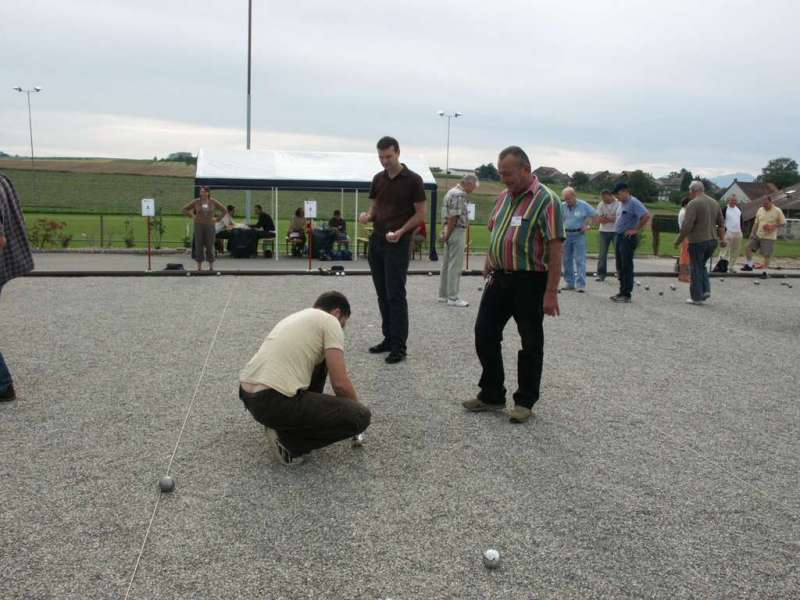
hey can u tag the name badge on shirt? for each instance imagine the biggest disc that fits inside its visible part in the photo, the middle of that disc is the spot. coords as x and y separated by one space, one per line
516 221
205 206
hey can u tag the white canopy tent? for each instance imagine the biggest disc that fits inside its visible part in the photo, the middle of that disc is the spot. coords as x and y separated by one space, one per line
305 171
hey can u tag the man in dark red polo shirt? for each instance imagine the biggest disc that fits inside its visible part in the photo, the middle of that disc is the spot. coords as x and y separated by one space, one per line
397 208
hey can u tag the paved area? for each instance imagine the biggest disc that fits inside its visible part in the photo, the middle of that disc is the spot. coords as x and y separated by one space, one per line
662 461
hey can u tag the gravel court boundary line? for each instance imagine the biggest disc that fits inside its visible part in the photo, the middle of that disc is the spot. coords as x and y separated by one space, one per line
180 434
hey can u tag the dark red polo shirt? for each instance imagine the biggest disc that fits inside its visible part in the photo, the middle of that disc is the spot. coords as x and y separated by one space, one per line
395 199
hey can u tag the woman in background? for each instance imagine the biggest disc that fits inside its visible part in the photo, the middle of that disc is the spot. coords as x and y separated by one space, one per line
203 211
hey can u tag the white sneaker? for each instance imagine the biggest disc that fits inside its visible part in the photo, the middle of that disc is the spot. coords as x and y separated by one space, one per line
442 300
458 302
696 302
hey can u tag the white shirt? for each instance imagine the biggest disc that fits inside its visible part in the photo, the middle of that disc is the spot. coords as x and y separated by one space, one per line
733 220
681 215
608 210
223 223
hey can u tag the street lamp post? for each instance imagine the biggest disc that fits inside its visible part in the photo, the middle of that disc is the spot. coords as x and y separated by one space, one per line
247 194
36 89
455 115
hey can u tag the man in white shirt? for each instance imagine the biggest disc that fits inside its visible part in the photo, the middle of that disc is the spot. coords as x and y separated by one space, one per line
282 384
733 233
606 217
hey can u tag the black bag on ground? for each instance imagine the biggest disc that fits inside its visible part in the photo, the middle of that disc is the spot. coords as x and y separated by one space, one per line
243 243
721 266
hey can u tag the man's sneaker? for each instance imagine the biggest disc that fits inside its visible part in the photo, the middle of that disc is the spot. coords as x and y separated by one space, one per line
519 414
707 295
747 267
442 300
280 452
395 356
380 348
8 395
478 405
620 299
580 290
458 302
695 302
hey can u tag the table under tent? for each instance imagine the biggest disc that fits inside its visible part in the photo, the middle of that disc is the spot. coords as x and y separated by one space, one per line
274 171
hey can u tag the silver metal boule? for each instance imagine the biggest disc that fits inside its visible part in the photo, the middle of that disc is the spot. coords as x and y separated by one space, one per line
491 559
166 484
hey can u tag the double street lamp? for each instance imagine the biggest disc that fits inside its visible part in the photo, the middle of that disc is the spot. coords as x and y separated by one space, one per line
449 116
35 90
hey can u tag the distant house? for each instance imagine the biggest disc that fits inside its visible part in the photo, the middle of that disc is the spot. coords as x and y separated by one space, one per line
604 179
670 184
551 175
747 191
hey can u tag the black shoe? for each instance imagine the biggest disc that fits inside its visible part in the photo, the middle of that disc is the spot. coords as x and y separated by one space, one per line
620 299
8 395
380 348
747 267
395 356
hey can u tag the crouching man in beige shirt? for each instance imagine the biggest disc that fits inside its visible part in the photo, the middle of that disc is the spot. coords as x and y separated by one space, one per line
282 384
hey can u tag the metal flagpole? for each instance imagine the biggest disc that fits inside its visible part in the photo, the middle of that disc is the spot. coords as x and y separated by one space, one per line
355 234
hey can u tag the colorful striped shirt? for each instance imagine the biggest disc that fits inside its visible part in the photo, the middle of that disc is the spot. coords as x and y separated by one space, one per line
521 227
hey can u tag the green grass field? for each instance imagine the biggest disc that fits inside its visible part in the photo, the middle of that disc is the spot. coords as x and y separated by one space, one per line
79 192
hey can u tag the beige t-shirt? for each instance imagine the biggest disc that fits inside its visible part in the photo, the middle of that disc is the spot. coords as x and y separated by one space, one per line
294 347
773 216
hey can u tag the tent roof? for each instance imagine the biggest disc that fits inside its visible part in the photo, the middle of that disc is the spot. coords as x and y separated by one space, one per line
258 169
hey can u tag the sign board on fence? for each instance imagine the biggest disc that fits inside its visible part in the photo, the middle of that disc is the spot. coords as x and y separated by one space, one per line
148 207
470 211
310 209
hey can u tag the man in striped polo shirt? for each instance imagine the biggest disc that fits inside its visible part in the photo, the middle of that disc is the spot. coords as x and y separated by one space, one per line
522 271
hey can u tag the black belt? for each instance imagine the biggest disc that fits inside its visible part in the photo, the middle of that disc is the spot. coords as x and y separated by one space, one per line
574 230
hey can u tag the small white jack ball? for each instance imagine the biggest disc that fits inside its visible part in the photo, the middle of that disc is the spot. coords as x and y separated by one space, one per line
430 272
188 274
166 484
491 559
219 273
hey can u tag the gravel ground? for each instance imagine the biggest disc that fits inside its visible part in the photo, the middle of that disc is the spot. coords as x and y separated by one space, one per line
662 461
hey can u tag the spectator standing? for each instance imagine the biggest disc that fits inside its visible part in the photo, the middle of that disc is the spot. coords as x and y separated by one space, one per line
577 214
733 233
456 220
606 216
203 210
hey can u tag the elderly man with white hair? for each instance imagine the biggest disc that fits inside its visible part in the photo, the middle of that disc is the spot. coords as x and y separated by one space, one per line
703 224
456 222
577 216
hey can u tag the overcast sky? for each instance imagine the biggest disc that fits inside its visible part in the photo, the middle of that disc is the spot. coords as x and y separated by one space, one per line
585 84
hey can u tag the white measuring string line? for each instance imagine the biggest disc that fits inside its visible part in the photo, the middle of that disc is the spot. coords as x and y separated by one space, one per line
177 443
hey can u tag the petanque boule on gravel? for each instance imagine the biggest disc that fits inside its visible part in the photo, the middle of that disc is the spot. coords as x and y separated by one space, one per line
672 287
756 283
491 559
166 484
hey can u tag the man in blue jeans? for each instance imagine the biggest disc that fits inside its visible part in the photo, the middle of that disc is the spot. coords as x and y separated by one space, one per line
15 260
703 224
630 220
577 216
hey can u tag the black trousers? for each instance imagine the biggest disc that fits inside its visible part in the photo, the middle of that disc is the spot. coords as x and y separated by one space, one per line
388 263
625 249
310 419
518 294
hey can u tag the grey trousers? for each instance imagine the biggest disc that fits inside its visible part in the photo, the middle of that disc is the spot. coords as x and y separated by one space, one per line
452 264
204 237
